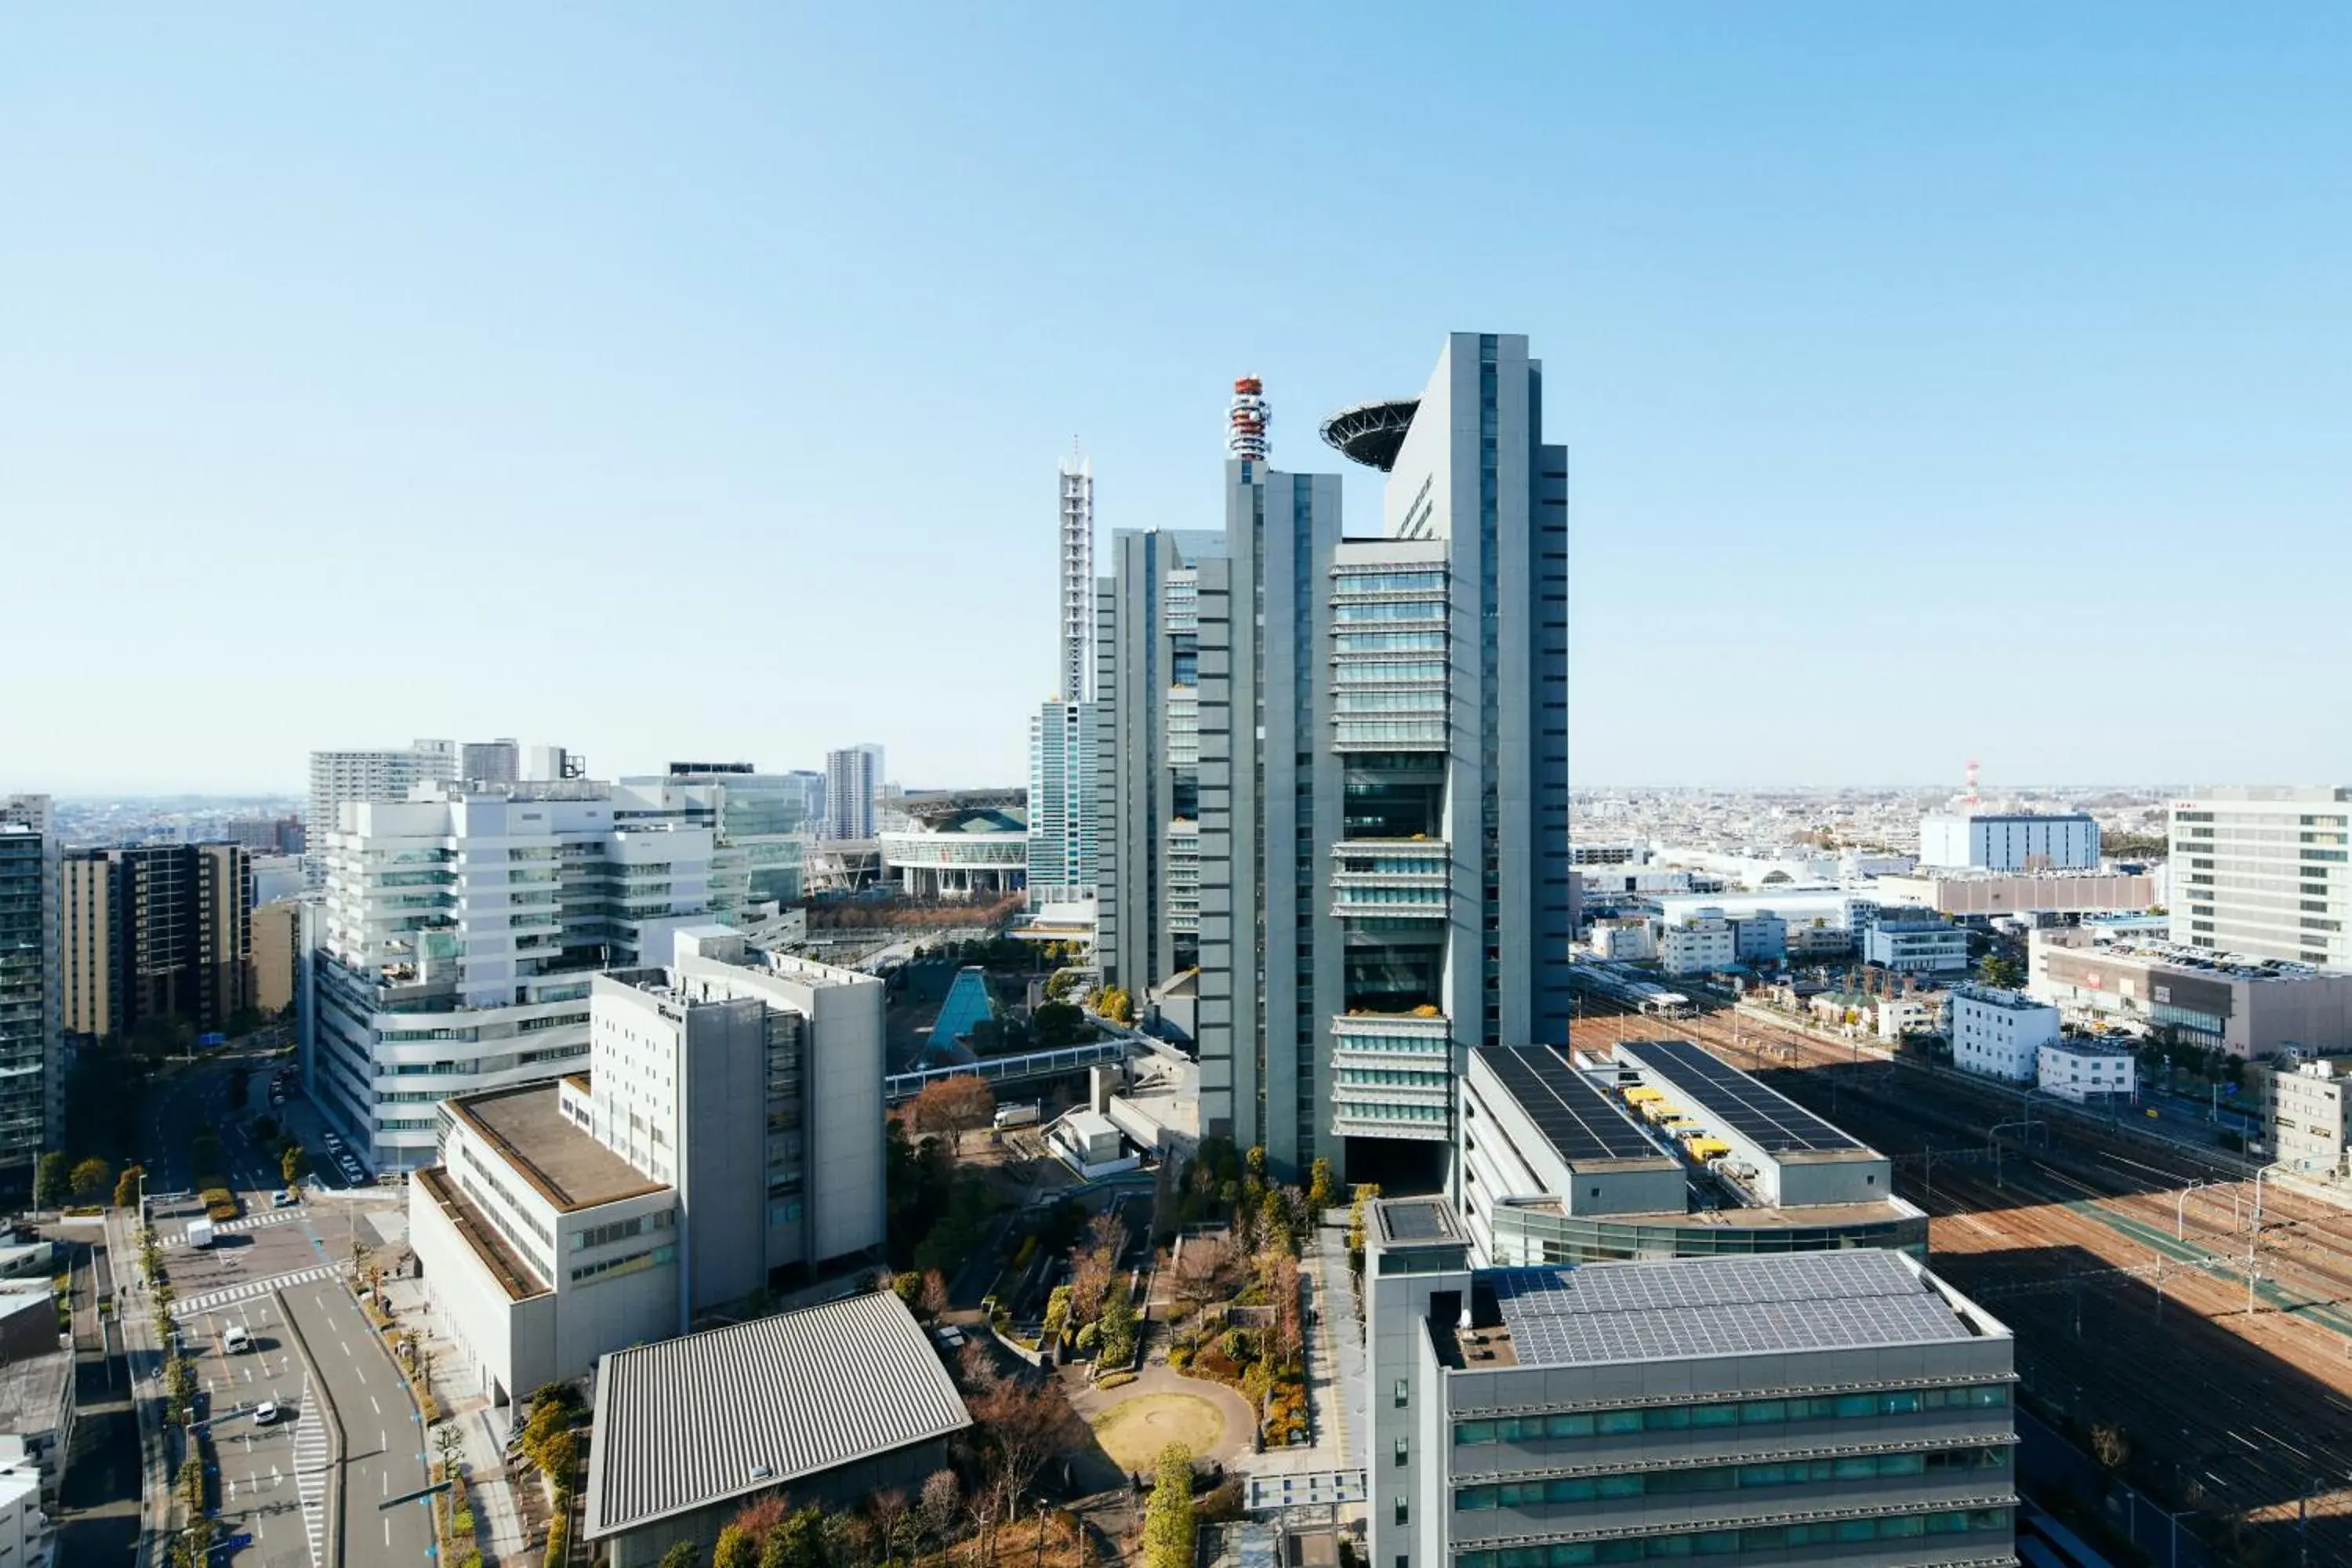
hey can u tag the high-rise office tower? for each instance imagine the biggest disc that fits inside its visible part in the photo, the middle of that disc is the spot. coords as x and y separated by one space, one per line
31 997
1384 775
1062 787
490 762
1063 817
159 931
1148 728
1075 648
853 791
457 938
2263 872
337 778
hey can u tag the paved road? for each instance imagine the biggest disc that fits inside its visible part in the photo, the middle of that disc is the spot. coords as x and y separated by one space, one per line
383 1447
270 1490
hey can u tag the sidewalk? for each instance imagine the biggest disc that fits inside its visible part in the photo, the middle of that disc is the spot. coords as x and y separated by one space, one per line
499 1532
142 1360
1329 1366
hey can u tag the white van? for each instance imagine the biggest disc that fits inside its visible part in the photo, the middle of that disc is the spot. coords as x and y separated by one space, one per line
236 1340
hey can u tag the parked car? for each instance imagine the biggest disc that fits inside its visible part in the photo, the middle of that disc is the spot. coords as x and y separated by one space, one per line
285 1200
265 1413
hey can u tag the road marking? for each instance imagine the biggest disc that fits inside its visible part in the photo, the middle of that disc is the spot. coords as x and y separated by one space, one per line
387 1529
372 1400
346 1344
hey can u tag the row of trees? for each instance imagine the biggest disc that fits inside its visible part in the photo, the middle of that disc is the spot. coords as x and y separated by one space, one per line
1170 1528
61 1178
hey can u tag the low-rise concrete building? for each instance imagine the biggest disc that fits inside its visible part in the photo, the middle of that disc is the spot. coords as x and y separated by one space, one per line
27 1540
2245 1006
727 1138
1557 1166
1826 1408
37 1385
1624 938
1915 943
2085 1070
2302 1102
828 1406
1985 893
1999 1034
1702 943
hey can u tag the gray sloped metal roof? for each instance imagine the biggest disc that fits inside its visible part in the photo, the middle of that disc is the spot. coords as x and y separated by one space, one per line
685 1423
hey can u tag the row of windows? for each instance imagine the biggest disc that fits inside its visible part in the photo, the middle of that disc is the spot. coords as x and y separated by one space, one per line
1412 699
1401 1077
1389 610
619 1230
1757 1538
1731 1413
1431 641
1728 1477
628 1265
1389 583
1368 1110
1391 670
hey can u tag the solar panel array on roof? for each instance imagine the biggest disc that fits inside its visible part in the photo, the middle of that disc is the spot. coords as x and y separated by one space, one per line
1577 1118
1427 1221
1765 1116
1719 1306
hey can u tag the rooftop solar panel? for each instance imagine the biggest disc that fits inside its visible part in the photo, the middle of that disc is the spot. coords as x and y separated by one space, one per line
1719 1306
1765 1116
1576 1119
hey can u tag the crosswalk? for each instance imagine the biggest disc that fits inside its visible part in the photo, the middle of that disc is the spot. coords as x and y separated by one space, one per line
229 1295
311 1462
250 1222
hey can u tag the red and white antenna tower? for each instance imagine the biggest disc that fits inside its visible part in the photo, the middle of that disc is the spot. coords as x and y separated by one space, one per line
1969 800
1246 420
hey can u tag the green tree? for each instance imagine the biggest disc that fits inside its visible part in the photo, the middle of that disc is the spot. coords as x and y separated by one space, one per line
1116 1005
737 1548
91 1178
1168 1524
2000 971
53 1182
294 1163
126 1186
1322 1192
682 1555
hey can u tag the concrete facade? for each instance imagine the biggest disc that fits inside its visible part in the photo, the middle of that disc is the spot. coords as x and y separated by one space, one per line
1999 1034
2247 1007
2010 841
2264 872
1501 1425
31 986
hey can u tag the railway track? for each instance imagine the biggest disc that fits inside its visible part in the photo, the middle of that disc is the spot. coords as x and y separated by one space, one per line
2120 1322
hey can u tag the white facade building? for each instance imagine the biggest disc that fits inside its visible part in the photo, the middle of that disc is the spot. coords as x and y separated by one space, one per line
853 791
1999 1034
1915 946
342 778
2264 872
762 824
727 1138
1626 939
2081 1069
456 940
2303 1105
1701 944
2001 841
26 1538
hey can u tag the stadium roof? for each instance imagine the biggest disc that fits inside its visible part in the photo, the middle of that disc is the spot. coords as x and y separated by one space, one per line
683 1424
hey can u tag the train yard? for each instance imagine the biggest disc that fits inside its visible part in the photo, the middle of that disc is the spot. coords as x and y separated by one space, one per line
2122 1267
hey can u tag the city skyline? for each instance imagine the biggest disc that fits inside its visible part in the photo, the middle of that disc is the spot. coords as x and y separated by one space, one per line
1995 374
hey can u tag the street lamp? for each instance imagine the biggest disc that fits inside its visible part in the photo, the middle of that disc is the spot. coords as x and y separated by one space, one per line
2181 1210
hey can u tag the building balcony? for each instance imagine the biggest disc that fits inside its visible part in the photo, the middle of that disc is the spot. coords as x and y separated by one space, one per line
1376 1039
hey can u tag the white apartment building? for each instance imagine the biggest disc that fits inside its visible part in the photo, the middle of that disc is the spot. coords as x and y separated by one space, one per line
2303 1105
2010 841
2077 1069
853 791
1999 1034
727 1138
762 824
2263 872
457 938
343 778
1702 943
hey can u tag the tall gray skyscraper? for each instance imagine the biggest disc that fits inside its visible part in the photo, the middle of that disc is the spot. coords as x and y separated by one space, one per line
1147 732
1062 787
1384 775
853 791
1075 647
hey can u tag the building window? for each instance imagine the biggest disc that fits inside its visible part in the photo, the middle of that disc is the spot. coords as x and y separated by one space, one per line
1405 1450
1403 1392
1403 1509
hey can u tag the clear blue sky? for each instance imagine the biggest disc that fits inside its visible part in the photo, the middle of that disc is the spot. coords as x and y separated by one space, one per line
689 381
